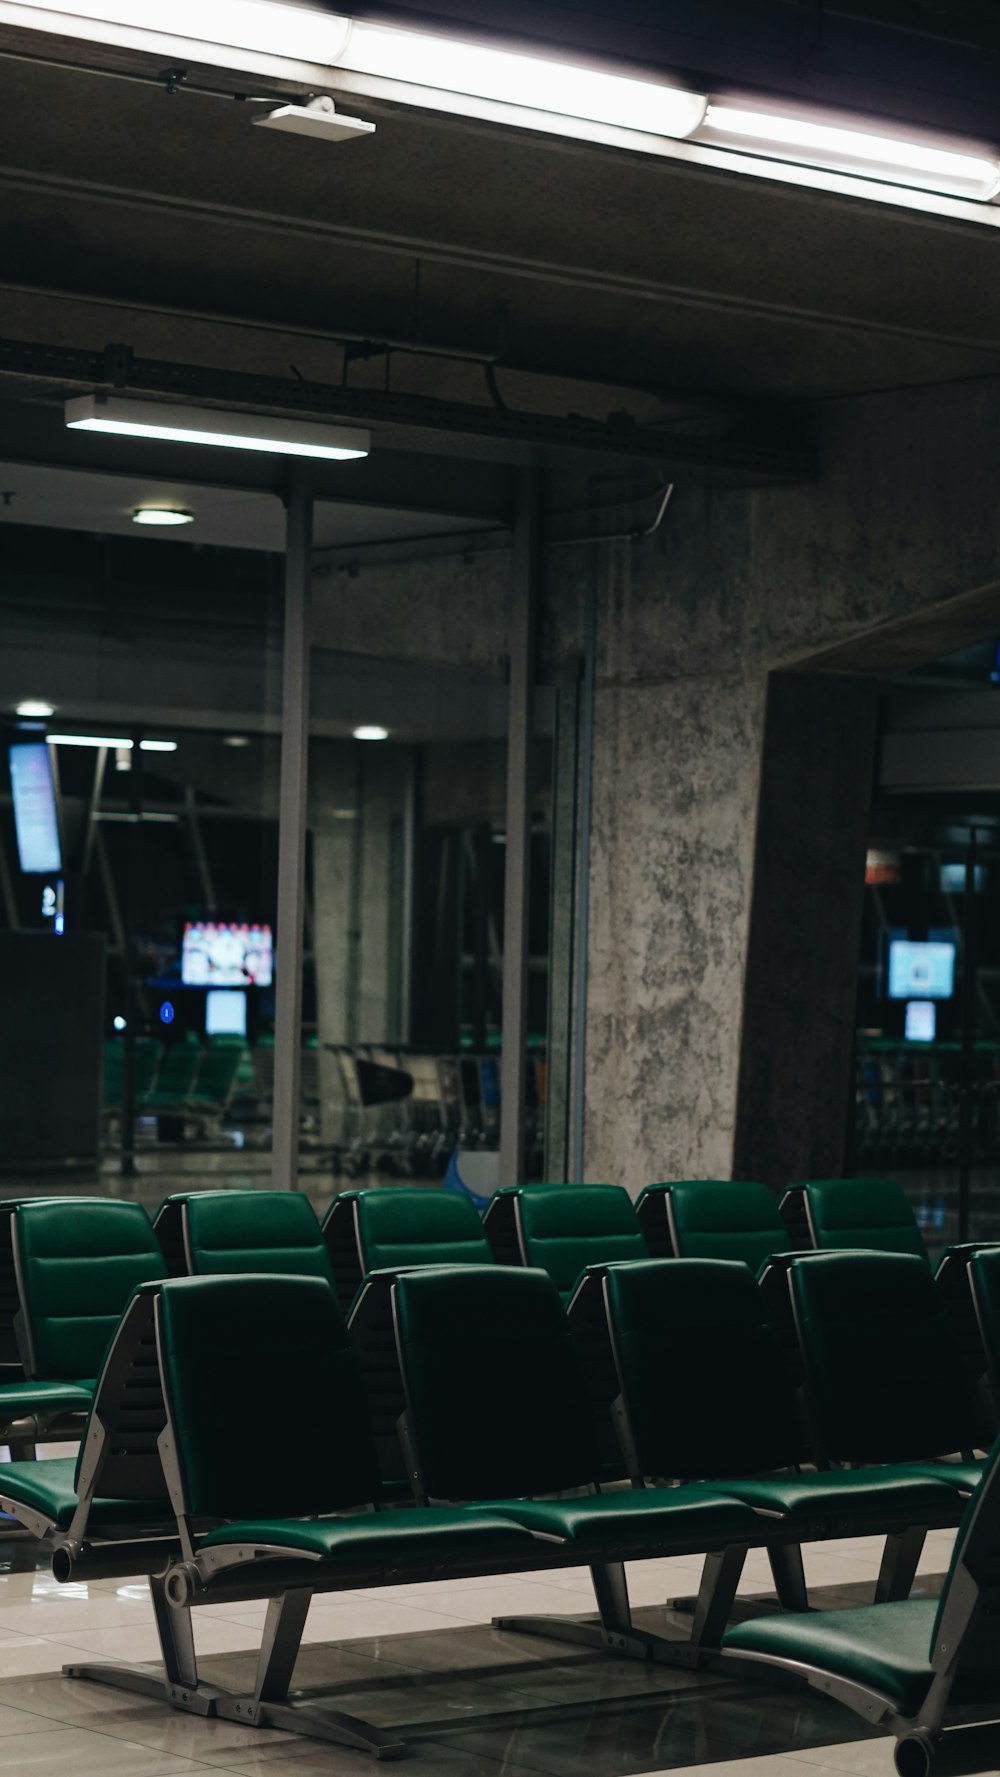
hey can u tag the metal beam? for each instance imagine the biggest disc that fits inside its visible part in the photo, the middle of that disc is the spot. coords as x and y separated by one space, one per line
292 837
587 708
525 560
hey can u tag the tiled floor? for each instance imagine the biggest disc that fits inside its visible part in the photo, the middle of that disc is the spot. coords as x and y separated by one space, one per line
478 1702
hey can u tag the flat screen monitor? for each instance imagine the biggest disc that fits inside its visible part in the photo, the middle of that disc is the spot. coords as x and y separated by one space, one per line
953 878
921 1021
36 815
226 954
225 1012
921 971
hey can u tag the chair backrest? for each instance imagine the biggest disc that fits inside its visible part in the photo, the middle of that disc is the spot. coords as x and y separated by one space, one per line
953 1281
394 1227
562 1230
237 1231
496 1397
228 1344
862 1212
704 1387
984 1286
884 1378
965 1638
718 1219
10 1301
77 1263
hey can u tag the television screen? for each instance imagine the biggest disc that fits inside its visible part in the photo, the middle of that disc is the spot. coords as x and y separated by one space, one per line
36 817
226 954
921 1021
225 1012
921 971
953 879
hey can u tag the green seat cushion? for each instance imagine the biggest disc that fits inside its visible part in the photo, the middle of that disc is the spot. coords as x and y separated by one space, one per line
963 1476
385 1540
17 1398
721 1219
883 1646
564 1230
258 1231
863 1212
649 1517
49 1488
399 1226
861 1494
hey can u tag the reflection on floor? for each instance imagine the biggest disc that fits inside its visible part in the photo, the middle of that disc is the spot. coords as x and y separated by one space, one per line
480 1702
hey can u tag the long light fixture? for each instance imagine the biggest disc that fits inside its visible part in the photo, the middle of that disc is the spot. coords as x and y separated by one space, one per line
201 425
536 82
864 152
110 740
167 516
753 136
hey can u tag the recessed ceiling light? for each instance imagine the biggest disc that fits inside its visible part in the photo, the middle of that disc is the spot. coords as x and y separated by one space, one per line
34 706
371 732
163 515
236 740
206 425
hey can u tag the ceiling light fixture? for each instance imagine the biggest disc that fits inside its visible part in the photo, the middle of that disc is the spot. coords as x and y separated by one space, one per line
161 515
371 731
199 425
110 740
861 152
264 27
560 89
236 740
34 706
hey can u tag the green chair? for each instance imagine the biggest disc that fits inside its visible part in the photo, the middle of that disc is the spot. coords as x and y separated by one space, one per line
904 1667
396 1227
105 1514
175 1077
954 1283
729 1410
223 1345
214 1232
712 1219
983 1271
74 1263
884 1379
561 1229
868 1213
497 1409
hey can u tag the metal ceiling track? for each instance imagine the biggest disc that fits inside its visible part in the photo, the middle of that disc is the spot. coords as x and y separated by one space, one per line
705 456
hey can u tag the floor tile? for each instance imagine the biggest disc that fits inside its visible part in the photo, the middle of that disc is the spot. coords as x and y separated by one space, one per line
24 1655
59 1750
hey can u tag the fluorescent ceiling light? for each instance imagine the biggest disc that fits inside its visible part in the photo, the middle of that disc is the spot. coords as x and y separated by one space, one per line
198 425
33 706
559 88
110 740
371 732
975 176
161 515
267 27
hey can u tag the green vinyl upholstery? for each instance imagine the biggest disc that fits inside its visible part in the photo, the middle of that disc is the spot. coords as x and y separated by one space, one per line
497 1410
862 1212
563 1230
258 1231
729 1409
984 1282
885 1378
403 1225
227 1344
721 1219
77 1264
49 1488
884 1647
395 1227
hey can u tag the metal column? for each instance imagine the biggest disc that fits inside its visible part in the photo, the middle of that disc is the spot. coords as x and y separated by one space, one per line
587 701
524 587
292 834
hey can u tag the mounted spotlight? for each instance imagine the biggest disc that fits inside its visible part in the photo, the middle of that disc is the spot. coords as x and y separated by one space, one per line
317 117
204 425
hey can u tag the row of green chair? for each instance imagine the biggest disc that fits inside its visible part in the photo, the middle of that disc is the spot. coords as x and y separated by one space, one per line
172 1473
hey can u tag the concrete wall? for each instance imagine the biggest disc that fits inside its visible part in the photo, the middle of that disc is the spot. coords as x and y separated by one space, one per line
690 624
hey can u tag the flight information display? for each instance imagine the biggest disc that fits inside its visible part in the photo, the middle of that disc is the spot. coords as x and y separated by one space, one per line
921 971
36 816
226 954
